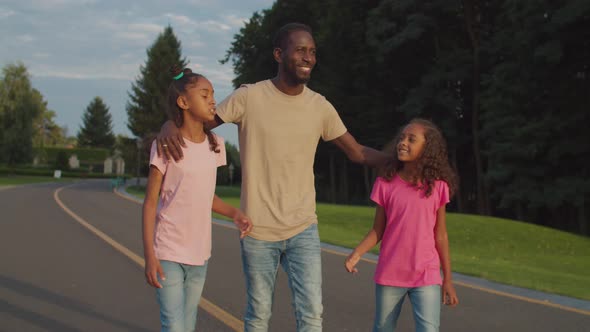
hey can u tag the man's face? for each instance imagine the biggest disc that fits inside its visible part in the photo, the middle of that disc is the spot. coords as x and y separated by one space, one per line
298 58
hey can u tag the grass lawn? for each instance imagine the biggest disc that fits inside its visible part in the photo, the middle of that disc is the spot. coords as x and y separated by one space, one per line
501 250
14 180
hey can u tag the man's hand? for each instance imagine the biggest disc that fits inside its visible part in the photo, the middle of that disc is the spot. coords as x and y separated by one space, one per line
243 223
170 142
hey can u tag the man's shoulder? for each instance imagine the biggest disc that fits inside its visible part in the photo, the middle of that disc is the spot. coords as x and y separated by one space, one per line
256 85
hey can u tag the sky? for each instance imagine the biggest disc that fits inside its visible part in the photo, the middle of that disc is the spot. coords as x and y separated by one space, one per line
75 50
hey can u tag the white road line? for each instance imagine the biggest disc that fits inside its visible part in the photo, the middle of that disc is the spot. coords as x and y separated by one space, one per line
214 310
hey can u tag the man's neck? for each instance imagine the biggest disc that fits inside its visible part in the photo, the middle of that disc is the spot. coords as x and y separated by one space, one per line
287 87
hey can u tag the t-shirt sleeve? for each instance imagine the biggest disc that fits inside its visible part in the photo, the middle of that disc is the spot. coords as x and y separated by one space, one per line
221 156
443 194
158 162
378 193
232 108
333 125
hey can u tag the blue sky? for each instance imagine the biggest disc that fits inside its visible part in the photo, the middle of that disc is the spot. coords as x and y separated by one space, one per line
78 49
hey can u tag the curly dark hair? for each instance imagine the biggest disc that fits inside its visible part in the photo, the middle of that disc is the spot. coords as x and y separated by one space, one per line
433 163
177 88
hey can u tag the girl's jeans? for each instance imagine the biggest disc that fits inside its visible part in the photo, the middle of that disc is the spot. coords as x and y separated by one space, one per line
180 295
426 302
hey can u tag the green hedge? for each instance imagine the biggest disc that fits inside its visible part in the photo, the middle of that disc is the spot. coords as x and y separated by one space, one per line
92 155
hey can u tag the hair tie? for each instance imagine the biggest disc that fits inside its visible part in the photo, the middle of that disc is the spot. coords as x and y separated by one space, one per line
179 76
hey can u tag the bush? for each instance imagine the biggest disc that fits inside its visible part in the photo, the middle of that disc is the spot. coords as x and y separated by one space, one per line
61 161
91 155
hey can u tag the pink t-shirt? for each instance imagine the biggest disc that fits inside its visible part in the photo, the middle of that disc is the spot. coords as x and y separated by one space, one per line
183 218
408 256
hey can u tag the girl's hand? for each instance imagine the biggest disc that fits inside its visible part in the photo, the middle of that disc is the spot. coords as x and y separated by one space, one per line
351 261
152 269
449 294
243 223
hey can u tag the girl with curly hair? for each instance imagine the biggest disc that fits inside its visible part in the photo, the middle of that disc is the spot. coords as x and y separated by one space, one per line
411 196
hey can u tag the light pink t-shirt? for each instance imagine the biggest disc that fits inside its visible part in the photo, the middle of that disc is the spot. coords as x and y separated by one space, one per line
183 218
408 256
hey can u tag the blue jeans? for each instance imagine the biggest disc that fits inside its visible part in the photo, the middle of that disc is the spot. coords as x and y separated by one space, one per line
180 295
300 257
426 302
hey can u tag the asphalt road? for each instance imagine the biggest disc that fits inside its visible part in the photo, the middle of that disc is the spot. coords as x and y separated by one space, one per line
56 275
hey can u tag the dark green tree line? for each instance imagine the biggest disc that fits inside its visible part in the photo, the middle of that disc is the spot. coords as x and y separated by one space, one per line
507 81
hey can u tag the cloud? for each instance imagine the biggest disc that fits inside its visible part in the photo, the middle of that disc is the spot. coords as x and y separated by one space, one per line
25 38
215 26
41 55
187 24
114 70
54 4
6 13
146 27
119 31
234 21
180 20
195 44
139 37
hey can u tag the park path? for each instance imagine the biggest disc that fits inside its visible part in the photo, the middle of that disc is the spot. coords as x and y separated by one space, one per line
57 275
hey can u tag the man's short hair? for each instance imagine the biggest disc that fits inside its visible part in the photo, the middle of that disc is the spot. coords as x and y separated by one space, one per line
282 36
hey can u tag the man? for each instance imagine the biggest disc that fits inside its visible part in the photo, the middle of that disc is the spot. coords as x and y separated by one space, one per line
280 122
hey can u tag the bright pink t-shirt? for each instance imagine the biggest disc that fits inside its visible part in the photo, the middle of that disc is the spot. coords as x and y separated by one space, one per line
183 218
408 256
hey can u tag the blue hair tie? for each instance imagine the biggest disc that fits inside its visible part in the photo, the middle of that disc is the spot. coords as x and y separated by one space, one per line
179 76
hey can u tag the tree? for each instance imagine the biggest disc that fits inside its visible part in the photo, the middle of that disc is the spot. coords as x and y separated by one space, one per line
146 109
45 131
19 105
535 113
97 127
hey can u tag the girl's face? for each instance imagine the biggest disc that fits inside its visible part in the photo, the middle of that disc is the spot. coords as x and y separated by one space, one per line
200 103
411 143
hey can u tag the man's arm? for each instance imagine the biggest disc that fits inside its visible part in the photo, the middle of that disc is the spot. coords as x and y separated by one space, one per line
170 142
359 153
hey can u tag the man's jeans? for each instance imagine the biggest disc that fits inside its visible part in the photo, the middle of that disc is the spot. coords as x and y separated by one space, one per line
426 302
300 257
180 295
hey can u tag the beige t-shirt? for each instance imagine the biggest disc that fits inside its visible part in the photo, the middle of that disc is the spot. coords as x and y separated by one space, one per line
278 137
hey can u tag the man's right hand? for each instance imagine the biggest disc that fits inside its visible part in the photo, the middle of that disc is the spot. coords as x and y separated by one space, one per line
169 142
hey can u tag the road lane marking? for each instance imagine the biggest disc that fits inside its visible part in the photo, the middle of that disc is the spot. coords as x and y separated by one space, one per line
460 283
214 310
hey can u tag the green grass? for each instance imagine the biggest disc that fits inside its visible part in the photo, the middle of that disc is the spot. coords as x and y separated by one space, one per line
15 180
137 191
501 250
